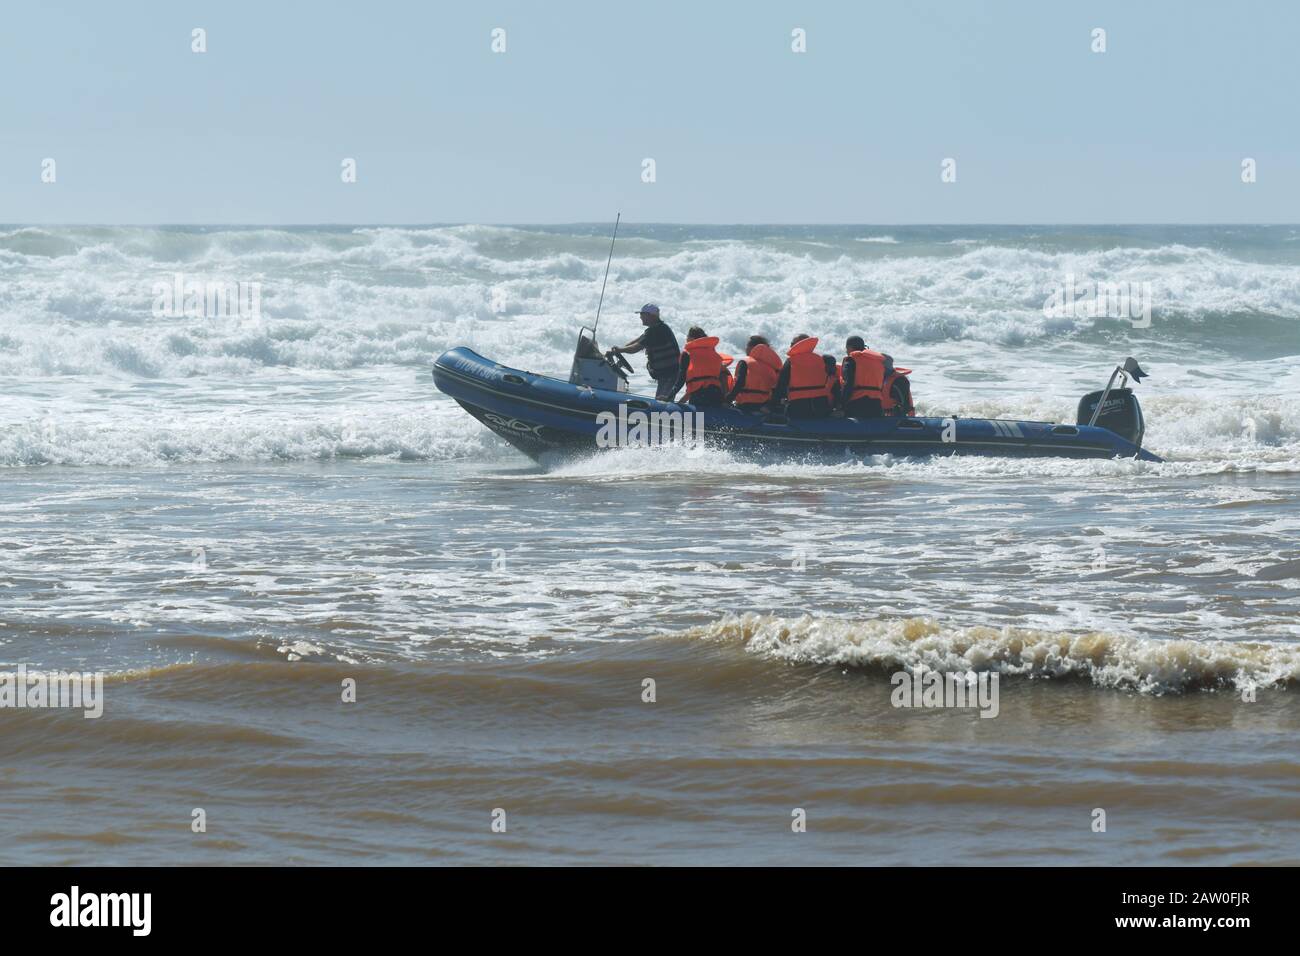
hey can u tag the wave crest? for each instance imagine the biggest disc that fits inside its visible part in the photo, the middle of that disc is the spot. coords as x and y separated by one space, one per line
1108 660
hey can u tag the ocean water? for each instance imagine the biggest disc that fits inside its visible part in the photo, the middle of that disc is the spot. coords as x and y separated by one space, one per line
230 516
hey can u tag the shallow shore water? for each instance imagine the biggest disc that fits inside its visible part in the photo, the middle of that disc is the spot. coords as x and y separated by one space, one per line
233 521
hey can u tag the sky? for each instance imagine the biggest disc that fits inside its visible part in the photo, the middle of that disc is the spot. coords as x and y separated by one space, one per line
741 129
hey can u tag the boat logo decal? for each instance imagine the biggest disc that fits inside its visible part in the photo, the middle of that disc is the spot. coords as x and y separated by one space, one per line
473 368
513 424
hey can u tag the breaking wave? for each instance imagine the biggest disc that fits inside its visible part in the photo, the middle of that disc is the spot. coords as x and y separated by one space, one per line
352 318
1108 660
79 301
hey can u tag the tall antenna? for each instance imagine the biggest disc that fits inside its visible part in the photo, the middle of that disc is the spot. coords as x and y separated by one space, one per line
602 285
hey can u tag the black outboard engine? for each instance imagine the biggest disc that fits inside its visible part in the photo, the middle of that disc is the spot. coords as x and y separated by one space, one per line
1116 409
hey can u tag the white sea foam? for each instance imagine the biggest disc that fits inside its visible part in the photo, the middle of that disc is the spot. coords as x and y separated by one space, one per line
355 317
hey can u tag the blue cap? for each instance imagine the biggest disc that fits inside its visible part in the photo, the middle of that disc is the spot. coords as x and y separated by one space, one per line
649 309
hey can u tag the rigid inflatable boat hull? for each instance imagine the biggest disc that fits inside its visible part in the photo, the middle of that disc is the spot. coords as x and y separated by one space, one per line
545 417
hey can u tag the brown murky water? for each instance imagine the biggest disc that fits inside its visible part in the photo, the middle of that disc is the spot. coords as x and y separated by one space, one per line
500 623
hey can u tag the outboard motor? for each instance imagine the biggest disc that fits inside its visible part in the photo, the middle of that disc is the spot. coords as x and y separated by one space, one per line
595 370
1116 409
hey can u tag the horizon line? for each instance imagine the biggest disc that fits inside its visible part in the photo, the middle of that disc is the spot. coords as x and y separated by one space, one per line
510 225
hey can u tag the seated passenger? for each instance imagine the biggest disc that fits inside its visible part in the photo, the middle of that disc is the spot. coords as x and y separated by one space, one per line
756 375
872 386
725 380
807 383
700 369
896 394
863 375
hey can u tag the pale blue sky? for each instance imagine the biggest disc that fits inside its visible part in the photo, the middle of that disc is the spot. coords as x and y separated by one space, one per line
741 128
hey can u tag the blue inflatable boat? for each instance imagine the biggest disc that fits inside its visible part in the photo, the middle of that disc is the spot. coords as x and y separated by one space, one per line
546 417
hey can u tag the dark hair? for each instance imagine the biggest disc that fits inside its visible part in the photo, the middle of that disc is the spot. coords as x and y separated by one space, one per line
695 332
756 340
800 337
854 344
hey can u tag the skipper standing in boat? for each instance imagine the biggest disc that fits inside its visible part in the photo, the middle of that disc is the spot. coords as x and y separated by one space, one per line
661 351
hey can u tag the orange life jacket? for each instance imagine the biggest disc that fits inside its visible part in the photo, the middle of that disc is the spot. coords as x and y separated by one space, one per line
764 368
887 403
868 375
705 366
808 375
725 379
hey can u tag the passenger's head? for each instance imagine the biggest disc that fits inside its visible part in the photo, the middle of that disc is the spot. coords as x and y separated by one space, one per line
755 340
854 344
695 332
799 338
